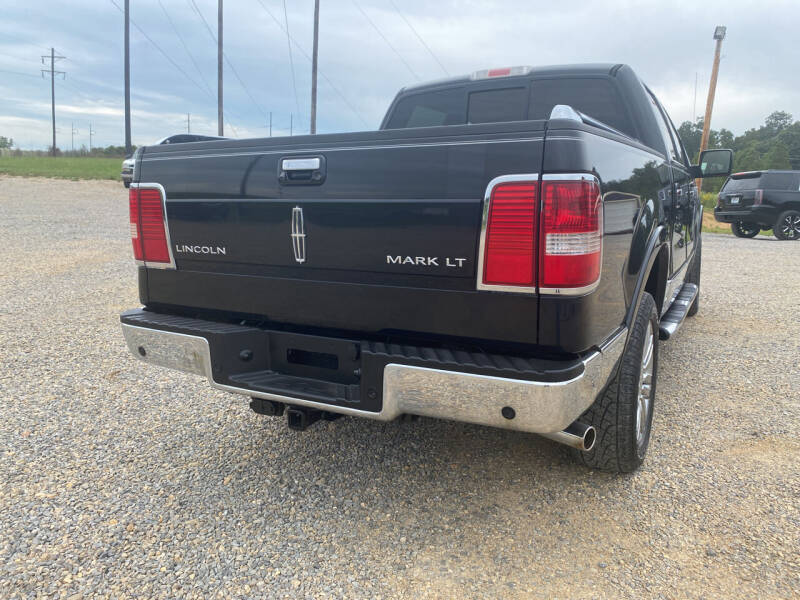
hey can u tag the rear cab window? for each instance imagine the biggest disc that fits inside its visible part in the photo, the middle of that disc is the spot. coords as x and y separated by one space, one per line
429 109
593 96
498 106
513 99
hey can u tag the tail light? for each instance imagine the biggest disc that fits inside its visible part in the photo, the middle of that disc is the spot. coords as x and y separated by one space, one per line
509 243
148 227
571 238
758 198
719 200
569 225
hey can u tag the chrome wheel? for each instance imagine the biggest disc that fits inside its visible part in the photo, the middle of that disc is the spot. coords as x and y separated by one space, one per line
645 399
790 227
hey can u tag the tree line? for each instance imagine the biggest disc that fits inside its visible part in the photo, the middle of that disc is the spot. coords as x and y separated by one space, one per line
774 145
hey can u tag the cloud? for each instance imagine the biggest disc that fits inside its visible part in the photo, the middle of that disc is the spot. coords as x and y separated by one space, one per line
667 43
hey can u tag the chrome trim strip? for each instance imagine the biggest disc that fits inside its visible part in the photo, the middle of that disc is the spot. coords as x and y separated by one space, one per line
160 188
575 291
300 164
674 285
540 407
298 235
343 149
487 199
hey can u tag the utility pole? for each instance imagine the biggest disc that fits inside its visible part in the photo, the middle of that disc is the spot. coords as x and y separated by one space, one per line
128 150
719 35
291 123
188 123
53 73
694 106
91 133
220 128
74 131
315 51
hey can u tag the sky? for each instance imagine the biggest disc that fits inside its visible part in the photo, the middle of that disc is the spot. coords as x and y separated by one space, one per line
368 49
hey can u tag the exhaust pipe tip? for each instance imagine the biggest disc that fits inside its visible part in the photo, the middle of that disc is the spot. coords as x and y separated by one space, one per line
589 438
579 436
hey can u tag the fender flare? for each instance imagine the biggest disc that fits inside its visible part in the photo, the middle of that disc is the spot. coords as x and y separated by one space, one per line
654 246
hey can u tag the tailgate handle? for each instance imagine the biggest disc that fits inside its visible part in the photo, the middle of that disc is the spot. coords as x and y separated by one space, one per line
302 170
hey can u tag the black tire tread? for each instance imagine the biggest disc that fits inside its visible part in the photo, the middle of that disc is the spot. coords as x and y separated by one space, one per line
613 414
776 228
737 231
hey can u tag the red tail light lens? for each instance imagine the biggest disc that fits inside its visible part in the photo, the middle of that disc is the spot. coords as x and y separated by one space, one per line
136 237
509 245
571 238
719 200
148 226
759 197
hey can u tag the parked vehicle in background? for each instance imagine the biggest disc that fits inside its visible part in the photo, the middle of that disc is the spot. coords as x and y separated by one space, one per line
127 170
508 251
181 138
756 200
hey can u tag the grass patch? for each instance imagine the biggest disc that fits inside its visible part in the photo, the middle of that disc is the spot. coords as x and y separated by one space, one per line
61 166
711 225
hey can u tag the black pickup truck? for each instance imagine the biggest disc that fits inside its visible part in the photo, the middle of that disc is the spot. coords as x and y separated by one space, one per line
506 250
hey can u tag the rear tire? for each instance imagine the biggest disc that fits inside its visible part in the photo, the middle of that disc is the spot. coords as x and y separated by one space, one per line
623 414
745 230
787 227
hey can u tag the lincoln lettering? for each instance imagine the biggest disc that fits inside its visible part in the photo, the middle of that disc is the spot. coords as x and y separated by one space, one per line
424 261
186 249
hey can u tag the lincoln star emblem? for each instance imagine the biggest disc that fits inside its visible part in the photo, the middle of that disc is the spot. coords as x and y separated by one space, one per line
298 235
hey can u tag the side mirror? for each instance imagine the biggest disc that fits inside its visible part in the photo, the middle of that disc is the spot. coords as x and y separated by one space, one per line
713 163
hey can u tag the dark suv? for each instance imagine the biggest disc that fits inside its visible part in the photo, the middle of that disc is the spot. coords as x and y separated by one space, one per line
758 200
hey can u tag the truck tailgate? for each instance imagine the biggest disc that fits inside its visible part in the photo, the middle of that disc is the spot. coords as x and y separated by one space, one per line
392 223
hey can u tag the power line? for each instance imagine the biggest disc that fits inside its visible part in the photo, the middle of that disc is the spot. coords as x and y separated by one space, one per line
291 62
227 60
27 43
185 47
18 73
19 58
306 55
157 47
419 37
172 62
388 43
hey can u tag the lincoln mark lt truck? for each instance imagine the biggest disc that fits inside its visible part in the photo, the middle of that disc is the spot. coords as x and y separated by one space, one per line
507 250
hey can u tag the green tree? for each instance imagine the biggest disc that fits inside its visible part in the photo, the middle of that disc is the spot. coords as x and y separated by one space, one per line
725 138
778 121
777 157
6 142
749 159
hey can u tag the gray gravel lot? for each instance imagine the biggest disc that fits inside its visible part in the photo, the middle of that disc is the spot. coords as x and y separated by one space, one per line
118 479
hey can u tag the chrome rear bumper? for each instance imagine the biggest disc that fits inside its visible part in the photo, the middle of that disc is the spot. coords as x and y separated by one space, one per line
537 407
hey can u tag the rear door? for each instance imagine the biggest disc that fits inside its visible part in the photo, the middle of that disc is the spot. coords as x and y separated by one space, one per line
686 191
677 195
782 190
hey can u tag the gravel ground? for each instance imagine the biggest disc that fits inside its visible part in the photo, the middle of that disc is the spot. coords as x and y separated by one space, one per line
118 479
